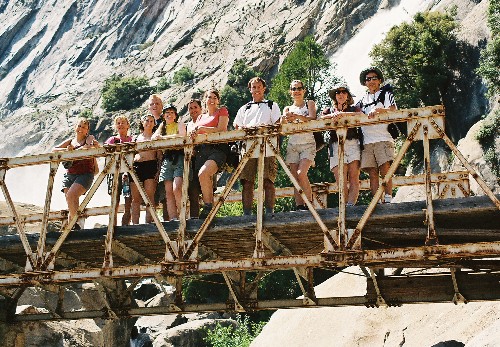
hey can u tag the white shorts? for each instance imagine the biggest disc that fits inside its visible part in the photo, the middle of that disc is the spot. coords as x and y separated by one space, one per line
352 152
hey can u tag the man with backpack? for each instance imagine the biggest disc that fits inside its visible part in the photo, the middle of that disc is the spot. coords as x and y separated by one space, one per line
378 151
253 114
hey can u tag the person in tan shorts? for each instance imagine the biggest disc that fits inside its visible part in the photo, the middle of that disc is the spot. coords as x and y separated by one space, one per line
258 112
378 152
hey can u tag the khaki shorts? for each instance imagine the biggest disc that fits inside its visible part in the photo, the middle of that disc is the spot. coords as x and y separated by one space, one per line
250 169
352 152
296 152
376 154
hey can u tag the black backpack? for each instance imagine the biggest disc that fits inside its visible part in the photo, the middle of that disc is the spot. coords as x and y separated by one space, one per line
392 128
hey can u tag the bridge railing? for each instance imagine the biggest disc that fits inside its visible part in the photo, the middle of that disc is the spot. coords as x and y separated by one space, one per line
423 124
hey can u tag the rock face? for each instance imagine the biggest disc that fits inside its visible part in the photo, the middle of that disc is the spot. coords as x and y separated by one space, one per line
55 55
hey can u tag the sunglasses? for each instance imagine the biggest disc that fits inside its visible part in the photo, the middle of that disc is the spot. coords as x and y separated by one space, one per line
343 91
374 78
293 89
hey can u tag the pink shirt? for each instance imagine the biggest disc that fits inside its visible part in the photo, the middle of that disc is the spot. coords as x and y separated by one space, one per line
211 121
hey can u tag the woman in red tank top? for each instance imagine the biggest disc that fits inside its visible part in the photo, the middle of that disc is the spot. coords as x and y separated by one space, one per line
80 175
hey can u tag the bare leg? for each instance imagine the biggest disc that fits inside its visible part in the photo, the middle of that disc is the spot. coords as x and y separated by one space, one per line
150 187
205 176
136 203
304 183
293 169
178 192
353 173
383 171
73 194
270 192
247 194
126 213
170 198
374 180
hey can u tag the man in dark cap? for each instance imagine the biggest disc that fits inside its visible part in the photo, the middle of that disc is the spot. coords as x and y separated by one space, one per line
378 152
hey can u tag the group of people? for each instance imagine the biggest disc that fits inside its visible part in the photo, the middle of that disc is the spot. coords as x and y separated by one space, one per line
369 148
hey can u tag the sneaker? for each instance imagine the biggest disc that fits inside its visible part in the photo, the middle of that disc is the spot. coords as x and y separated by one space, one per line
300 207
205 211
76 227
349 204
387 198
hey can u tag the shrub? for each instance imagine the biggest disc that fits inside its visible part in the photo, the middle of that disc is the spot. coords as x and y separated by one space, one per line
124 93
163 84
486 136
183 75
241 336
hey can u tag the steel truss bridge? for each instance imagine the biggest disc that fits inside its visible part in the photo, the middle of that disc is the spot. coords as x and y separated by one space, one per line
451 231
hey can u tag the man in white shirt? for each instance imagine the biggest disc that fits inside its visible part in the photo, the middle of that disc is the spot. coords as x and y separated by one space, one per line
253 114
378 152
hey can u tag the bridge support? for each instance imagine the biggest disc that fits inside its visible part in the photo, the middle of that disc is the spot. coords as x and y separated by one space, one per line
118 299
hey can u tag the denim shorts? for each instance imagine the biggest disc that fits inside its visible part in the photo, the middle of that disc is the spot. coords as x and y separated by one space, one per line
84 180
169 170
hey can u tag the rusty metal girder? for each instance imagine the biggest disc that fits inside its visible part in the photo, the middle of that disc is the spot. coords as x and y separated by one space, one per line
438 254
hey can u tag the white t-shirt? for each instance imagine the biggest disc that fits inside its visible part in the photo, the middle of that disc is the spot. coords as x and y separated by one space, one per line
257 114
304 138
377 132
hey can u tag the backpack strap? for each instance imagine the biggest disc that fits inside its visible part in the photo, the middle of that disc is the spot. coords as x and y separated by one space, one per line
269 104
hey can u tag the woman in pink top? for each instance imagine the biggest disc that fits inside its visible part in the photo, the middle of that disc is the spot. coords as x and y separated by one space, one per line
209 158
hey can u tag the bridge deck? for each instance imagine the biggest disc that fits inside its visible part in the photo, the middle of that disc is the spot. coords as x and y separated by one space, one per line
231 238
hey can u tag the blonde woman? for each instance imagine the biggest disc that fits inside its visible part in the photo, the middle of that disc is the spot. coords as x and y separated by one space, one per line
122 127
301 149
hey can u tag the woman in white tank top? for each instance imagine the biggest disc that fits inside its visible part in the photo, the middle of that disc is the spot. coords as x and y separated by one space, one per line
301 149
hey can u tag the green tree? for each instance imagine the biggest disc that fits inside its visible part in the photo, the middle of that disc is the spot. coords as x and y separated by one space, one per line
489 65
124 93
420 58
235 93
307 62
183 75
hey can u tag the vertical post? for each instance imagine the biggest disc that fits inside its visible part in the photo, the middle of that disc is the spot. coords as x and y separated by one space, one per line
429 212
259 246
115 199
341 236
46 211
181 235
